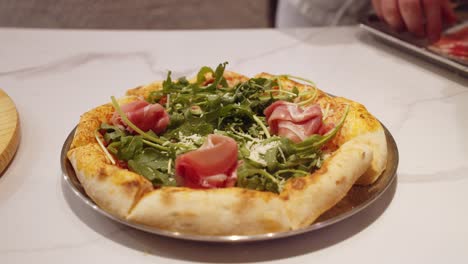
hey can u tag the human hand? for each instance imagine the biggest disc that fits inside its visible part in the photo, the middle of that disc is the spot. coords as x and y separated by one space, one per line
423 18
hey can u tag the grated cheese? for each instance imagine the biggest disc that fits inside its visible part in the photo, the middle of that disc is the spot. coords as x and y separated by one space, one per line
191 140
258 150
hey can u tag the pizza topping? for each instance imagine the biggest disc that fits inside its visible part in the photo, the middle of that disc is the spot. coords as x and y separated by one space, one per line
218 133
455 44
213 165
259 149
278 159
191 140
294 122
109 157
144 115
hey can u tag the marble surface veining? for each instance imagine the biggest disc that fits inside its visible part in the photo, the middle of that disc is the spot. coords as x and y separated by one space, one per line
54 76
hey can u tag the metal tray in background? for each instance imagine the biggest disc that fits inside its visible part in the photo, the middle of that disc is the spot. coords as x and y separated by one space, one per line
405 41
358 198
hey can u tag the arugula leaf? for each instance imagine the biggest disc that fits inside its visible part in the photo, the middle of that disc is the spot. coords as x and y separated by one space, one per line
112 133
129 146
169 86
114 147
155 96
201 74
189 128
176 119
256 179
182 81
236 112
153 165
252 89
219 76
271 158
288 173
218 79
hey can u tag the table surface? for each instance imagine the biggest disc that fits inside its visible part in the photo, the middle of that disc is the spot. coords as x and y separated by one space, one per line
54 76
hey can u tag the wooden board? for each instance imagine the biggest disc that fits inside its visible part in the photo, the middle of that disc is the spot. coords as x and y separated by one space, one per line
9 130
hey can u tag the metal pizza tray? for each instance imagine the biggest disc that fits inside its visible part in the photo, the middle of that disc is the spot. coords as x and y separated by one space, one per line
407 42
358 198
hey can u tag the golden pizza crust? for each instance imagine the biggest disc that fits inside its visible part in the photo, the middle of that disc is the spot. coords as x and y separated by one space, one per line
92 120
359 122
306 198
114 189
359 156
237 211
225 211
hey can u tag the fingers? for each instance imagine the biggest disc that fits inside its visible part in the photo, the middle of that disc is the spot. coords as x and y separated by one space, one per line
377 8
448 14
432 11
412 15
391 14
420 17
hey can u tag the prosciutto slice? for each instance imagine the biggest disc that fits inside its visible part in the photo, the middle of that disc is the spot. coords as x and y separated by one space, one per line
294 122
213 165
144 115
453 44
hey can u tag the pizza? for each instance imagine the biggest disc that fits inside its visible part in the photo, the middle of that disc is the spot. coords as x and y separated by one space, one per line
453 44
224 154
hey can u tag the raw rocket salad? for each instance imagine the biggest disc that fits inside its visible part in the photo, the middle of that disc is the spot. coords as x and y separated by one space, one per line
266 158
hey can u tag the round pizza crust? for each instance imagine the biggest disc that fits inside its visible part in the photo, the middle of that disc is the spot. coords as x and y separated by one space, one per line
359 155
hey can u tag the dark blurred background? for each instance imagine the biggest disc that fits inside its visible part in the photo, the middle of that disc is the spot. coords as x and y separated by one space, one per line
138 14
186 14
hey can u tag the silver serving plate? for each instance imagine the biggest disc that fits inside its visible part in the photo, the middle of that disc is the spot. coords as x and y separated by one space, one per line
405 41
358 198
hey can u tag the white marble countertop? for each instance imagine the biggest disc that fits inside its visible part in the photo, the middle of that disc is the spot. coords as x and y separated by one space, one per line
54 76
